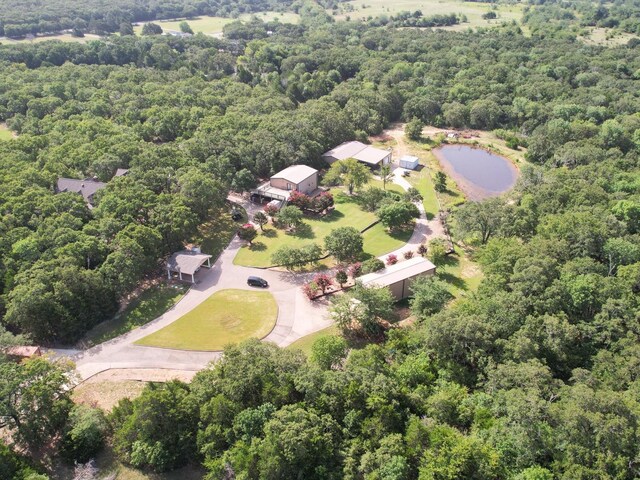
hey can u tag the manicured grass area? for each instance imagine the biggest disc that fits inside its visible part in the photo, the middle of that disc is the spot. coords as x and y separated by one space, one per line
149 305
227 316
314 230
378 241
305 343
393 187
214 25
357 10
421 179
461 273
5 133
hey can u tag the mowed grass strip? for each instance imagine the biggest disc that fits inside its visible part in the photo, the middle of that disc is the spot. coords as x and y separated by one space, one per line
227 316
347 213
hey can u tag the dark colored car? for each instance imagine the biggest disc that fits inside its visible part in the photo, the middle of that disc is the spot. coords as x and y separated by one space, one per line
257 282
236 216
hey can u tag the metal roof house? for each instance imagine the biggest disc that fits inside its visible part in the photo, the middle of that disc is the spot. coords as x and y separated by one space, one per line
301 178
409 162
399 277
371 156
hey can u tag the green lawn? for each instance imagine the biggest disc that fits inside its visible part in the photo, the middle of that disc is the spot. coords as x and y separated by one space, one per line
461 273
305 343
227 316
423 182
214 25
347 213
149 305
5 133
393 187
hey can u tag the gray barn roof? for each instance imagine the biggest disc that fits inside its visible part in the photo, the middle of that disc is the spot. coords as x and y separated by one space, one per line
398 272
359 151
187 261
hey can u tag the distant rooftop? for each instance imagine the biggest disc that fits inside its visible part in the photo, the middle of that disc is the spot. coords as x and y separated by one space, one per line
295 173
87 188
121 172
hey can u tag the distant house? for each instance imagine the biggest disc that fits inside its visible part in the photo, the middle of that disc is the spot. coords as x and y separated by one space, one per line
187 262
409 162
400 276
300 178
371 156
22 352
87 188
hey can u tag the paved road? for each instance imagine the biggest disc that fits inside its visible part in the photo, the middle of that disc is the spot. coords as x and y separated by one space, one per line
297 317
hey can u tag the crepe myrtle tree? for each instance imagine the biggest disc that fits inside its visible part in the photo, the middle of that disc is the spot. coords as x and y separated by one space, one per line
247 232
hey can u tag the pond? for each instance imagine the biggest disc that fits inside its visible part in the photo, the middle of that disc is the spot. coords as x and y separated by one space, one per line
478 173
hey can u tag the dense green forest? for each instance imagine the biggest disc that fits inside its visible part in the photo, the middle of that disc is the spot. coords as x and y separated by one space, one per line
533 377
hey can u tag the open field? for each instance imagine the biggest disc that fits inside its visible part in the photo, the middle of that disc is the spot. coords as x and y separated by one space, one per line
63 37
606 37
227 316
214 25
149 305
305 343
358 10
5 133
347 213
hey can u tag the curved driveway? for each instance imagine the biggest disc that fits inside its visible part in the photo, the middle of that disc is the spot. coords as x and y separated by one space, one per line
297 316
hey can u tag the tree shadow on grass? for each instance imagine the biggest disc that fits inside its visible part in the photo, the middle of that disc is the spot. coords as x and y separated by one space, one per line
269 232
453 280
403 235
303 231
257 247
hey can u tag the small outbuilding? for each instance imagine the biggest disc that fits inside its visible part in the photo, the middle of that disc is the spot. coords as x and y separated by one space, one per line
409 162
399 277
22 352
187 262
371 156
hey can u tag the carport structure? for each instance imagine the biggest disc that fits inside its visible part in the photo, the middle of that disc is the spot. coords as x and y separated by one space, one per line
187 262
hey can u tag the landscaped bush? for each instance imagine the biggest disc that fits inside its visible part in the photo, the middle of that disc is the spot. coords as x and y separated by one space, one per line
392 259
271 210
355 270
323 281
323 201
372 265
247 232
300 200
341 277
422 249
310 290
408 254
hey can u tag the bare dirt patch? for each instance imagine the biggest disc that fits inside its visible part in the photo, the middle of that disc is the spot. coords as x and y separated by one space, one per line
107 388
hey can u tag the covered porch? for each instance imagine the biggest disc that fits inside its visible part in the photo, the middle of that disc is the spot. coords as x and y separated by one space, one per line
187 262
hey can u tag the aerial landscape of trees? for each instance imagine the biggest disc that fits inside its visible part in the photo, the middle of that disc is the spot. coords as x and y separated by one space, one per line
532 376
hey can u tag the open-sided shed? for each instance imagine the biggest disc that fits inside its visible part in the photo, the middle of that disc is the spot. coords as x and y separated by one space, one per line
187 262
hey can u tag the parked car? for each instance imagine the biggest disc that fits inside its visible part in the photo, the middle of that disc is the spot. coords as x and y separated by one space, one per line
236 215
257 282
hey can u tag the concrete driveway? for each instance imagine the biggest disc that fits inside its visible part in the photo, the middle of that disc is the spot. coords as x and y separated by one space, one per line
297 316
